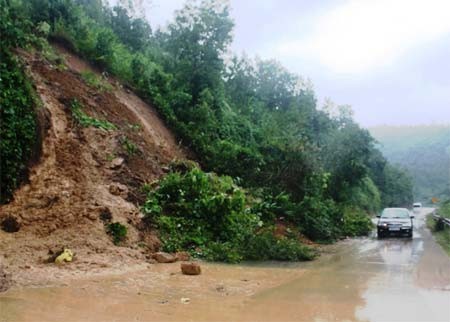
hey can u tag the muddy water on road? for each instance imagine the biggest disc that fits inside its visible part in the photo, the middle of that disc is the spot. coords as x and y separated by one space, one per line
394 279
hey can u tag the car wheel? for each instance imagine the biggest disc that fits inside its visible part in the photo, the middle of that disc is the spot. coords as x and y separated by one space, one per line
410 235
380 235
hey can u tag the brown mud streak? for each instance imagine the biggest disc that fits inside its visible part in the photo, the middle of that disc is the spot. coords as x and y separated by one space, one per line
69 186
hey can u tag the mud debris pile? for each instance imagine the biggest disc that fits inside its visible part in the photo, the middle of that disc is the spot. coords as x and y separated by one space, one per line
85 175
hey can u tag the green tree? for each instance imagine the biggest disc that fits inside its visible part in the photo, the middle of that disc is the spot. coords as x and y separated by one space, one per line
197 40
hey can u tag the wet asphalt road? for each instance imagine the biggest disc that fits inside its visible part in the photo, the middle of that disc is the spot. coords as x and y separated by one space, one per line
392 279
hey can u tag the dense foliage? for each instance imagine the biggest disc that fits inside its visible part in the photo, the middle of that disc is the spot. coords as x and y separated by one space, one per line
424 151
212 217
18 127
252 122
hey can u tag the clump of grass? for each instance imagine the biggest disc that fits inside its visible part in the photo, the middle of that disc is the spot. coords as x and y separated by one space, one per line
85 120
129 146
117 231
92 80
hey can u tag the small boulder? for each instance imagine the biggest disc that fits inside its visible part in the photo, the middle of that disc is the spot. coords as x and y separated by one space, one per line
183 256
117 163
191 268
162 257
5 280
118 189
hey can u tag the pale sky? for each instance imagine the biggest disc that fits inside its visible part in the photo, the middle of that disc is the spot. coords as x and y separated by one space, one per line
388 59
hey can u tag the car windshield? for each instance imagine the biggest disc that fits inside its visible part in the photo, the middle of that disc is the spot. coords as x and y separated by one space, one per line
395 213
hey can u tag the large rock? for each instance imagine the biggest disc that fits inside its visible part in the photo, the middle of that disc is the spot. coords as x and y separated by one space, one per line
162 257
191 269
5 280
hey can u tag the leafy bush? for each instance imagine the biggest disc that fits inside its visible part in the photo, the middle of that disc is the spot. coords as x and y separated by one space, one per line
117 231
265 246
270 207
355 222
194 209
319 219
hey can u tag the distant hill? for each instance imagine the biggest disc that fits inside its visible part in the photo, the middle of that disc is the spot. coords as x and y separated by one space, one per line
424 151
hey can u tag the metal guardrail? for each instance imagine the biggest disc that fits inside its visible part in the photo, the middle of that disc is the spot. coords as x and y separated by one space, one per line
440 218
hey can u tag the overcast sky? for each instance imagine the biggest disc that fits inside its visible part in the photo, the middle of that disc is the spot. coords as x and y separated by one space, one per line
388 59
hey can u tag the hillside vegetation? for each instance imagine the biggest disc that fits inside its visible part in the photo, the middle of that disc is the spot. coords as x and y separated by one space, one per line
422 150
273 167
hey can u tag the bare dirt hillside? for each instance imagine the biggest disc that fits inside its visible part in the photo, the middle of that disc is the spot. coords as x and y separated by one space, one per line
84 176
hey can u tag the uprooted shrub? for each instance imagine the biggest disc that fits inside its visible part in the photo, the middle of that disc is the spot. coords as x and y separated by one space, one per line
209 216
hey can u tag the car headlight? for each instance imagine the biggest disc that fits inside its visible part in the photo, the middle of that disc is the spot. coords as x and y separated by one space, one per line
406 225
383 224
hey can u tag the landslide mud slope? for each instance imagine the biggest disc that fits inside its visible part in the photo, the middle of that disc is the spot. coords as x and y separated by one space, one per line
75 181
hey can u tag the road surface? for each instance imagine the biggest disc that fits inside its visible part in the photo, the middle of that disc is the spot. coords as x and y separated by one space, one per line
393 279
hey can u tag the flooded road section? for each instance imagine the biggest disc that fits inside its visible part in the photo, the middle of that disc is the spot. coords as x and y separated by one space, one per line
393 279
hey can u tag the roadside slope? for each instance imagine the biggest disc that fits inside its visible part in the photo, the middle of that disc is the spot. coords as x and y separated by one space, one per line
85 173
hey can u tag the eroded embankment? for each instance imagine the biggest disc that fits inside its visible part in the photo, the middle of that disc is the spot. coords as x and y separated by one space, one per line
83 174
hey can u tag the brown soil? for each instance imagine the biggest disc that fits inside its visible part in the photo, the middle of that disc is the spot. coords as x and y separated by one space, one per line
68 188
